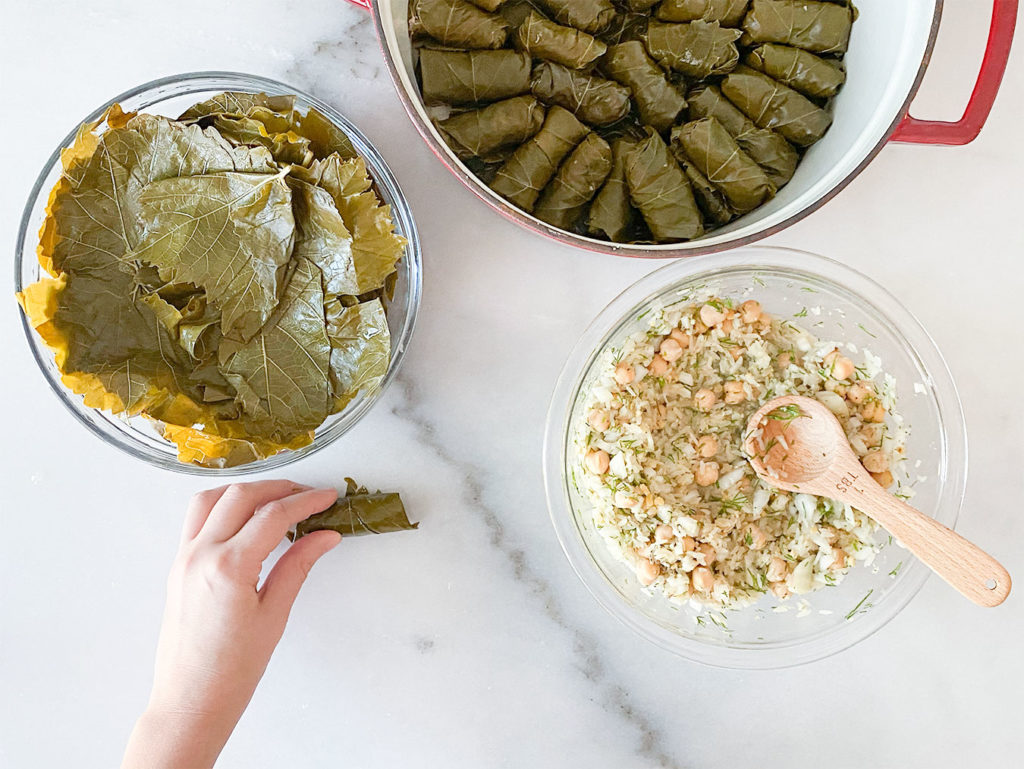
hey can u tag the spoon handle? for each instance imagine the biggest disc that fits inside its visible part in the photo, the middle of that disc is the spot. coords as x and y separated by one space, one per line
964 565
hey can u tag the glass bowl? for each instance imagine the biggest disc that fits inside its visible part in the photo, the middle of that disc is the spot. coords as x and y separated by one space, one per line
853 309
171 96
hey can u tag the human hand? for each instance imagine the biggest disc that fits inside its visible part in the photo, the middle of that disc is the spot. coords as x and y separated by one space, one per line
220 627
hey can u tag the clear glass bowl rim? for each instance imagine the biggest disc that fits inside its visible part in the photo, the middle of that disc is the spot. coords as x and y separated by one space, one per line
765 260
151 93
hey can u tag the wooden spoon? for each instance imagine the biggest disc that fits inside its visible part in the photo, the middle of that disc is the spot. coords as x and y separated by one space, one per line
796 444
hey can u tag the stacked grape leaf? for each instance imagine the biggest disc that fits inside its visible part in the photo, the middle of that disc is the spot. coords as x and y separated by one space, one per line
631 120
224 274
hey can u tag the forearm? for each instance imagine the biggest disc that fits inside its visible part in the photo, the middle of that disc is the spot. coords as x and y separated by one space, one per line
166 740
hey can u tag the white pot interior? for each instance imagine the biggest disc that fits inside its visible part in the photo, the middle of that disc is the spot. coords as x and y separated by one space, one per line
887 48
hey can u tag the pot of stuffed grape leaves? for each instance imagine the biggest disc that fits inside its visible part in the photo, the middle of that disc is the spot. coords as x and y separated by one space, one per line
675 127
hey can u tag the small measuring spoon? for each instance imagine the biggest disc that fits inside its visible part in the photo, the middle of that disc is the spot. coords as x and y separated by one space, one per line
796 444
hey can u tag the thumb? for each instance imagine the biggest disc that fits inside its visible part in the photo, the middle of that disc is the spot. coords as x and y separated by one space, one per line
286 578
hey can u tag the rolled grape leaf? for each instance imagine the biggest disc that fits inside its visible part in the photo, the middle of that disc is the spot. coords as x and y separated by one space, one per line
699 49
488 5
579 177
658 101
821 27
229 233
661 192
770 104
531 166
765 147
587 15
457 23
568 46
484 133
710 200
728 13
359 513
718 157
799 69
592 99
639 6
611 213
282 375
471 77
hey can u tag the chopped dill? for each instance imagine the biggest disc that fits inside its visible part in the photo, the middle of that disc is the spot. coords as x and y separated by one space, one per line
896 571
786 413
861 327
857 609
801 314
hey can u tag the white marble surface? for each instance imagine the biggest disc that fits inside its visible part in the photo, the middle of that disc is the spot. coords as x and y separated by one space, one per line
472 644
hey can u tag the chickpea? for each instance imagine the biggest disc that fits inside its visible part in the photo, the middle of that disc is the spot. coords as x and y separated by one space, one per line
680 336
859 392
710 556
624 374
703 579
647 571
734 393
779 590
689 544
736 352
626 500
883 479
873 411
840 559
671 350
699 328
784 361
710 316
598 461
777 570
758 539
657 366
727 326
705 399
839 366
707 473
599 420
750 311
875 462
707 446
663 533
871 433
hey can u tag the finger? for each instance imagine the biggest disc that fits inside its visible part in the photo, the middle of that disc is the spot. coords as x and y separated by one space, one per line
198 511
285 579
239 502
267 527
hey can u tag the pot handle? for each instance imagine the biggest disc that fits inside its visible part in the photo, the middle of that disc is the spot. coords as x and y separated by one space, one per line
366 4
966 130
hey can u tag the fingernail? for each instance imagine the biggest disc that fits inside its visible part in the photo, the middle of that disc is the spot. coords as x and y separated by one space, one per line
300 487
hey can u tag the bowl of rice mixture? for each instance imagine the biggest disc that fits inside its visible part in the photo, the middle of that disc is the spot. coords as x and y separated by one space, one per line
651 495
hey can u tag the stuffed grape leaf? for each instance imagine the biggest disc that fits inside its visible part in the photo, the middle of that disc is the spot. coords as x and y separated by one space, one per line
661 192
485 133
611 213
821 27
765 147
728 13
522 177
799 69
358 513
579 177
567 46
457 23
658 101
472 77
592 99
587 15
713 152
699 49
770 104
